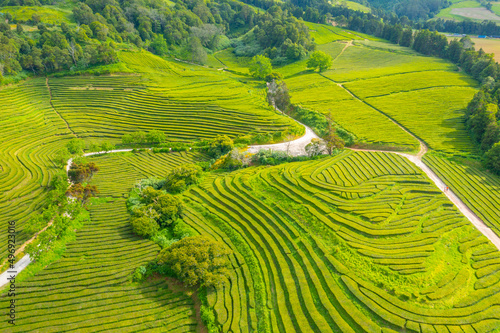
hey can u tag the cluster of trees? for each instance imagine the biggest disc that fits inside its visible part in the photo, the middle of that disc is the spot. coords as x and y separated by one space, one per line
483 122
278 35
80 172
46 51
489 28
153 136
220 145
155 209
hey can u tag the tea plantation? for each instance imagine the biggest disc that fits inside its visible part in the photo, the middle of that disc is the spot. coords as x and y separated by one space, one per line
360 241
90 287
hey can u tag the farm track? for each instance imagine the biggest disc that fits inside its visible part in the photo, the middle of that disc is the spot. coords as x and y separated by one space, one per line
53 108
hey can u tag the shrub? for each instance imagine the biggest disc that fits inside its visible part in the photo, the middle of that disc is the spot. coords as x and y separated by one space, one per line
82 172
75 146
181 177
220 145
144 225
197 260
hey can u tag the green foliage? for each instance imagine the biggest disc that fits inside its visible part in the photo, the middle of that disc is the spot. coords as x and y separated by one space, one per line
181 177
107 146
160 206
260 67
75 146
220 145
319 60
197 260
145 225
208 318
492 158
82 172
156 136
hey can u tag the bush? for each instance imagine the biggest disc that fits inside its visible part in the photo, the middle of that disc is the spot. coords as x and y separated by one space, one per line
181 177
75 146
144 226
492 158
220 145
197 260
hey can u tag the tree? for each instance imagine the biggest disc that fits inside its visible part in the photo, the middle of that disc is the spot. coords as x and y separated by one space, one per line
19 28
278 95
315 147
220 145
198 53
319 60
156 136
167 208
107 146
62 156
332 140
159 45
75 146
82 193
260 67
145 224
82 172
181 177
197 260
407 38
492 158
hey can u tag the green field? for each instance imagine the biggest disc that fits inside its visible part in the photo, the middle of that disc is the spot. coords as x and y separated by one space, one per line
96 270
480 190
31 134
353 243
186 103
360 241
425 95
48 14
352 5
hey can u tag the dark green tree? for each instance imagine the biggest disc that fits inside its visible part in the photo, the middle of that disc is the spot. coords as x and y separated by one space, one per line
197 260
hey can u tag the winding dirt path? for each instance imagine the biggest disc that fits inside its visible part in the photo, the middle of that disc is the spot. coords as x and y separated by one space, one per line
295 147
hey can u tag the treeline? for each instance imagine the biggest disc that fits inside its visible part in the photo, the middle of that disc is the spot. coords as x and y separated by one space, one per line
47 51
488 28
483 122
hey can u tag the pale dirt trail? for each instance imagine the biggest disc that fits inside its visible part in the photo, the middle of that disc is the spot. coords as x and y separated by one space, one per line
294 148
462 207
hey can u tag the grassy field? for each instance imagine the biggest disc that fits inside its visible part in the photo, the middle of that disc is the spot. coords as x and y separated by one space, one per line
387 82
90 288
489 45
355 243
48 14
31 133
315 92
480 190
434 115
352 5
187 103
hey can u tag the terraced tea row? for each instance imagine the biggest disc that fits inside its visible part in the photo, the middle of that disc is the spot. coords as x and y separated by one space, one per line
187 105
31 133
90 287
478 189
362 242
427 96
315 92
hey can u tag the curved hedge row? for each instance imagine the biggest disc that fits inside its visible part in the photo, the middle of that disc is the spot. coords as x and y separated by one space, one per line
318 262
89 289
